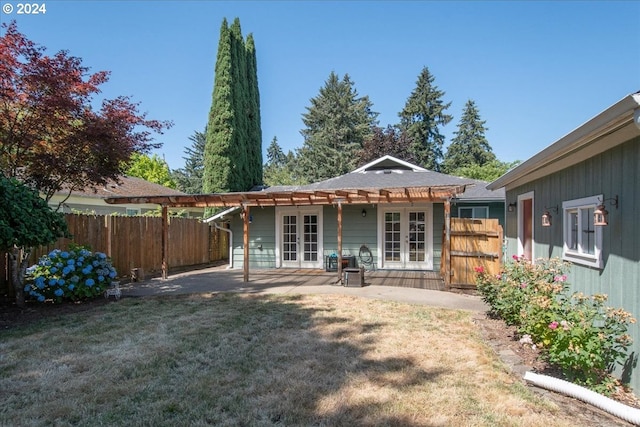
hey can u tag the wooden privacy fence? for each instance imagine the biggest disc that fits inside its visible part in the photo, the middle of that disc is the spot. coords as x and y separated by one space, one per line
474 243
135 242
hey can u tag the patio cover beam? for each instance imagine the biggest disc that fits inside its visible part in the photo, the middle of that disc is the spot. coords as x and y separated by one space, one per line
301 197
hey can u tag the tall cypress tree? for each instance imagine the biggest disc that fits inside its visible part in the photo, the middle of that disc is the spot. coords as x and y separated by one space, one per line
234 141
420 118
469 146
253 114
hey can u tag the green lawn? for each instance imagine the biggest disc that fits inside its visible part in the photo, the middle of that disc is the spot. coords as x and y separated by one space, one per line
317 360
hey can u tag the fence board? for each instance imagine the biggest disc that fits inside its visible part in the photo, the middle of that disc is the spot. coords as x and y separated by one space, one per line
474 243
136 242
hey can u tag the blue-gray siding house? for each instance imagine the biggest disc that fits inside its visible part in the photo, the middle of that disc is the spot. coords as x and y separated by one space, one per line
597 166
376 234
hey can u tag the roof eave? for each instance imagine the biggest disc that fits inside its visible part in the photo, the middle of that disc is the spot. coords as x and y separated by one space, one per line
610 120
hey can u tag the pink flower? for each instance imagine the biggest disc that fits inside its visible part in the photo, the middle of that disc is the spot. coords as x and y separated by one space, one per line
523 285
559 278
515 257
479 269
553 325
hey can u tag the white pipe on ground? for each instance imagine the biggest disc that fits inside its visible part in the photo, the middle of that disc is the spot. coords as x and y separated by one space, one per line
610 406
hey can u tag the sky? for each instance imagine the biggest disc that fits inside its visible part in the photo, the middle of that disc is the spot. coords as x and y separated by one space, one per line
536 70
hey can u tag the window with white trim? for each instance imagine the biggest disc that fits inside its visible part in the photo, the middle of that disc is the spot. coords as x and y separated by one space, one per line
582 240
474 212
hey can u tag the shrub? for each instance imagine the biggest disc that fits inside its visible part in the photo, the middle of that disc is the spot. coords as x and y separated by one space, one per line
576 333
69 275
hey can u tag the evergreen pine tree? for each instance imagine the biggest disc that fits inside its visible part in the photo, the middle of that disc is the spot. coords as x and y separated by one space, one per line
337 122
279 168
189 178
233 152
420 119
469 146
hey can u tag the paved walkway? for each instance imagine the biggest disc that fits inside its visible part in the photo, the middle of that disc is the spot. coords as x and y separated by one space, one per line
218 279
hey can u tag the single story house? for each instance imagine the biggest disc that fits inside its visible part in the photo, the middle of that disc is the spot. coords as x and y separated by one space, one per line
388 214
378 235
579 200
92 200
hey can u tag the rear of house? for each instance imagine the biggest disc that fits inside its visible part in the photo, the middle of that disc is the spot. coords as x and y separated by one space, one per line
376 235
587 187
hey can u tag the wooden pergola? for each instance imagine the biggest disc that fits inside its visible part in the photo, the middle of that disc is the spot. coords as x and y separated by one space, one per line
266 198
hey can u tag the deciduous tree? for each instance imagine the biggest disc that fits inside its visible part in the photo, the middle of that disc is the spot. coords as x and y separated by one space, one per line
25 222
50 135
421 118
382 142
152 169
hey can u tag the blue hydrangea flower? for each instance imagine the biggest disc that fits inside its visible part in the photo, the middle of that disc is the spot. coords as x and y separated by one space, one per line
112 274
75 279
59 264
53 270
100 278
53 253
71 287
101 255
66 270
81 259
58 292
89 282
53 282
41 298
95 263
71 262
64 254
27 288
61 282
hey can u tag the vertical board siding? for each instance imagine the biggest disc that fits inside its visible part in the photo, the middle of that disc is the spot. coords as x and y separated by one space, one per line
262 238
614 172
136 242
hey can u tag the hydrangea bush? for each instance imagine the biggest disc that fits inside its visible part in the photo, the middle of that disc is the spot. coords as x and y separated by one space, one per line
70 275
577 333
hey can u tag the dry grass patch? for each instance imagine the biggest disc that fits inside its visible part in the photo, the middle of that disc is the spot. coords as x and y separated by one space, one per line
260 360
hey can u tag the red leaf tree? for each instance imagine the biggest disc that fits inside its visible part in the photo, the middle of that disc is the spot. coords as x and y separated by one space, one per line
50 136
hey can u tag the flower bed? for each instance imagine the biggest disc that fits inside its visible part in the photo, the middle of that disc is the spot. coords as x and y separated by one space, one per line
579 334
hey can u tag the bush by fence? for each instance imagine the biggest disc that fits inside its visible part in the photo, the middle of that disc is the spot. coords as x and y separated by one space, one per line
136 242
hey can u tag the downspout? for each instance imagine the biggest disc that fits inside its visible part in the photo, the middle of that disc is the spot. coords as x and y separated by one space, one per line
215 224
611 406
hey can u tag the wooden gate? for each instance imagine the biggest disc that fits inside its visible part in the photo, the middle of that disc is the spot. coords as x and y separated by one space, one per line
474 243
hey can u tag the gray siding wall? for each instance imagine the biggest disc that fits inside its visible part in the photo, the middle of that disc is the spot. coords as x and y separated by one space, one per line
262 238
356 232
496 209
615 172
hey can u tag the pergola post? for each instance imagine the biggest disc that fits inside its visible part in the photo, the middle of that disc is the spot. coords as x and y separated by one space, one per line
245 241
339 240
165 242
447 244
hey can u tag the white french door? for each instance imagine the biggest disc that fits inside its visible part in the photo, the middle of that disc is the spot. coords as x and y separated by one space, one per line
299 238
406 238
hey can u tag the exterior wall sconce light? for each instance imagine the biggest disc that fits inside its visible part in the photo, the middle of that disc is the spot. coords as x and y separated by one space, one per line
512 207
364 213
546 216
600 215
